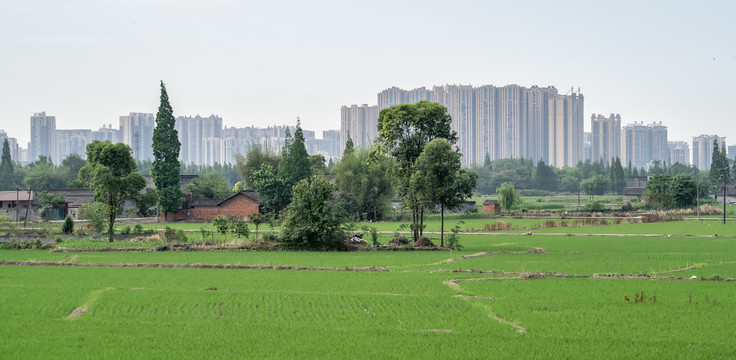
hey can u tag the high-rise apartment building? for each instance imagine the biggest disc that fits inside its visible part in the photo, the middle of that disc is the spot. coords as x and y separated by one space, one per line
703 150
641 144
360 123
731 152
106 134
679 152
606 137
136 131
43 137
506 122
192 132
588 145
72 142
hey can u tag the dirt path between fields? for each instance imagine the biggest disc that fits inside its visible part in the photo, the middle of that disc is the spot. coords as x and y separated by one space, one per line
191 266
84 308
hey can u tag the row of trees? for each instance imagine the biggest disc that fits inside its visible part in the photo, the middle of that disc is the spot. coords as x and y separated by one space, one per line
592 178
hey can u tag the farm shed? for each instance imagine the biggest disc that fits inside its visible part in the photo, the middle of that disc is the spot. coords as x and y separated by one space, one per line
491 206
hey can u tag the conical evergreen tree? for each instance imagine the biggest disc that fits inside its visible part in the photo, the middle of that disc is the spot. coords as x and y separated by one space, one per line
295 164
349 146
6 168
166 145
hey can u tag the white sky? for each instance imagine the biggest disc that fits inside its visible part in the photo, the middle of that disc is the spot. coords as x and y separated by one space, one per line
267 62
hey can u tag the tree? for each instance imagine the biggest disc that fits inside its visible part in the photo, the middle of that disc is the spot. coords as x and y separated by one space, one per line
667 192
363 181
272 190
313 221
720 172
318 164
68 226
146 202
507 196
252 161
166 145
238 187
439 181
6 168
208 187
295 164
595 185
684 190
404 130
110 172
545 177
71 164
618 179
43 175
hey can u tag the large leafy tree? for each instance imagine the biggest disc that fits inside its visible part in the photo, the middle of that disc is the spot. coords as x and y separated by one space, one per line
43 175
295 164
363 181
166 145
273 191
313 221
404 130
6 168
439 181
507 196
208 187
71 165
110 172
252 161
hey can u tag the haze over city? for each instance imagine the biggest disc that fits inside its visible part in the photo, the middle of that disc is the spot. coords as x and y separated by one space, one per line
253 63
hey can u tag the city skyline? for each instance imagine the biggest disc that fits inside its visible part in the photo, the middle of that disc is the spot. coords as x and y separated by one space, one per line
267 63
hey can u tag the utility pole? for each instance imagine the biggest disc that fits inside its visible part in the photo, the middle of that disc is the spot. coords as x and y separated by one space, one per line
17 201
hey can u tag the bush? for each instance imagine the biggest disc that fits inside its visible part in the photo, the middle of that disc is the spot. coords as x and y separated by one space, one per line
240 228
68 226
137 229
594 206
125 231
453 240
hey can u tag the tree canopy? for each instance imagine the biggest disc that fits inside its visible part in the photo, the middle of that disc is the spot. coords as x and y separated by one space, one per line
110 172
313 221
404 130
166 146
6 168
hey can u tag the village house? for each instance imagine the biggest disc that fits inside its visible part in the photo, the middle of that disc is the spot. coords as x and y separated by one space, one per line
241 204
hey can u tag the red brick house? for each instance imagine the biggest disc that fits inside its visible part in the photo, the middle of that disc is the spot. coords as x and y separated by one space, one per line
241 204
491 206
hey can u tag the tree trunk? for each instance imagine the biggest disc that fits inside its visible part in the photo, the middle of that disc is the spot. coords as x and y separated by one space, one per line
724 202
442 226
421 222
111 228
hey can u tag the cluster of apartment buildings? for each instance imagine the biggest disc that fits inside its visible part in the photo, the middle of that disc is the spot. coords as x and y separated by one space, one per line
641 145
537 123
502 122
533 123
204 140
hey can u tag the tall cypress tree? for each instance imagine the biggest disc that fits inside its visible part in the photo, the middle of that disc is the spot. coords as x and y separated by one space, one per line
166 145
295 164
6 168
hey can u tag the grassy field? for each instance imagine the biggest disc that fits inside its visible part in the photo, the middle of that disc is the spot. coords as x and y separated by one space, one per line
487 301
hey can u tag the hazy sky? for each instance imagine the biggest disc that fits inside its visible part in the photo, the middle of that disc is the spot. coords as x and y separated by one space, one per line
267 62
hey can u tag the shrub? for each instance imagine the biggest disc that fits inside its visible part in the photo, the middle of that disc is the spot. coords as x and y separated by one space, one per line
68 226
595 206
138 229
125 230
240 228
453 241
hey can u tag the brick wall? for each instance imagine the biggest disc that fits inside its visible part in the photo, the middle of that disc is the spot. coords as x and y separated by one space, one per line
239 205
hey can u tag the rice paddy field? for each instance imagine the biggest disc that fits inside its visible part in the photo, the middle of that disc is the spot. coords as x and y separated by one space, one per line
555 294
